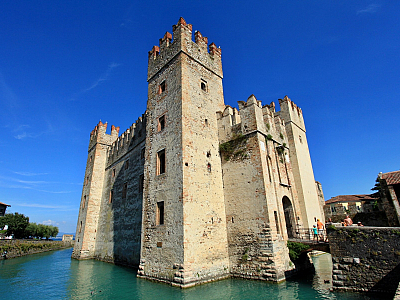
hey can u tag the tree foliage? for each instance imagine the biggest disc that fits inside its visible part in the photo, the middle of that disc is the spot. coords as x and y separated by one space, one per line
16 223
295 249
19 226
41 231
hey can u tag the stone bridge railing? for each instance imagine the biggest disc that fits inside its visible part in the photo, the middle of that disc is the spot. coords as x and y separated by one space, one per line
365 259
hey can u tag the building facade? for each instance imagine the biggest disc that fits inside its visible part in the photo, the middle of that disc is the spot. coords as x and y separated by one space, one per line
196 190
390 195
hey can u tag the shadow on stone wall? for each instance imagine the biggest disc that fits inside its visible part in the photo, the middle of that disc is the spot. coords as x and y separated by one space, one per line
388 283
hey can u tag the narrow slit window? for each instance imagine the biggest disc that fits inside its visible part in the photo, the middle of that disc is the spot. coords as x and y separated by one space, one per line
161 162
110 200
113 172
276 221
124 190
142 153
84 202
141 183
127 164
160 213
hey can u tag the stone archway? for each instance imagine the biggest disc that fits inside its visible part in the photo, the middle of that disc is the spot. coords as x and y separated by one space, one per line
289 216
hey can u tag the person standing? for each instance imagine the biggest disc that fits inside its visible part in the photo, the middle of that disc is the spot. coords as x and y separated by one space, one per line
320 228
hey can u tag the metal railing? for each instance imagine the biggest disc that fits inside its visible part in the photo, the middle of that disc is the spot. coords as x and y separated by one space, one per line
307 234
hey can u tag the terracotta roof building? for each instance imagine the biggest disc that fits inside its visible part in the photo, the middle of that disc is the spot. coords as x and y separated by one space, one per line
3 208
348 204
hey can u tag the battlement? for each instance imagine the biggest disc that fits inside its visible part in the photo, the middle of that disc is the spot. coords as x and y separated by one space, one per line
130 138
290 112
179 41
250 117
99 135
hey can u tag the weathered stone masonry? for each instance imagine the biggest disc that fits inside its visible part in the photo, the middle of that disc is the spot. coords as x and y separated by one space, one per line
365 259
197 190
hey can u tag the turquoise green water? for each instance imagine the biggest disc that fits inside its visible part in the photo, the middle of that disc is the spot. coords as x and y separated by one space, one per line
54 275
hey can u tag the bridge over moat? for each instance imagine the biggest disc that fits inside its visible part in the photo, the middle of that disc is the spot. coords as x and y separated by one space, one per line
306 236
365 259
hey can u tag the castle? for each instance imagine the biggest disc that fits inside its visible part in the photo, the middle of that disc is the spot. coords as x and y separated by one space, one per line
196 190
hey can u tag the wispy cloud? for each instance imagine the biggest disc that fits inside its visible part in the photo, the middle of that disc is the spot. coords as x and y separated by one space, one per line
22 132
370 9
103 77
15 183
29 173
50 222
44 206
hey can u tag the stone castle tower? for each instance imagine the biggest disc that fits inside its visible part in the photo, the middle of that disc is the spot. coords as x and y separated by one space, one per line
196 190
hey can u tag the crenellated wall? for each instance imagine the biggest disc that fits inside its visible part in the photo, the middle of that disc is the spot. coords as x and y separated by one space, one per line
300 158
89 213
257 178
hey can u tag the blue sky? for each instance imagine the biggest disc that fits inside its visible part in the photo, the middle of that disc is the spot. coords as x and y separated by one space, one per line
64 65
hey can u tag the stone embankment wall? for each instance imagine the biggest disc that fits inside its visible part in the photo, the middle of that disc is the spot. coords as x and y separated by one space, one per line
17 248
365 259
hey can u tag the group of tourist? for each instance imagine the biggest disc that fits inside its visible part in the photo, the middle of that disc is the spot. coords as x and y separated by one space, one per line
318 231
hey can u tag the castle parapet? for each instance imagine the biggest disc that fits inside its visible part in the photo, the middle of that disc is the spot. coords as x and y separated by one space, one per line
290 112
99 135
134 135
251 117
181 41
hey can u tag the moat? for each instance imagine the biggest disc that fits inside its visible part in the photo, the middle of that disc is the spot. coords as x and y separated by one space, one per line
54 275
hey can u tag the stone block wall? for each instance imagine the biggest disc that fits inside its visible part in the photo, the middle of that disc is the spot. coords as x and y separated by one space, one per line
365 259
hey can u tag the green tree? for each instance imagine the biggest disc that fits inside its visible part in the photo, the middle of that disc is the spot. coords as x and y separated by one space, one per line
53 231
377 195
41 231
31 230
16 223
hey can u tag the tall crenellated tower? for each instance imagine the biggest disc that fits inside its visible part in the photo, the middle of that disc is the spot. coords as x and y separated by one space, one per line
89 212
184 238
202 190
308 189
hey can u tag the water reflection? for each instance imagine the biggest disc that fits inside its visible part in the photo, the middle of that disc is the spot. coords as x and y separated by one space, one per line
55 276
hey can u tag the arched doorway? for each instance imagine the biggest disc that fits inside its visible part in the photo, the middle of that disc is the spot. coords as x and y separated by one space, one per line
289 216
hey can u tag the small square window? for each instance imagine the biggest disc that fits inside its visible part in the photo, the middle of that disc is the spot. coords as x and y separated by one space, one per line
161 123
160 213
162 88
161 162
